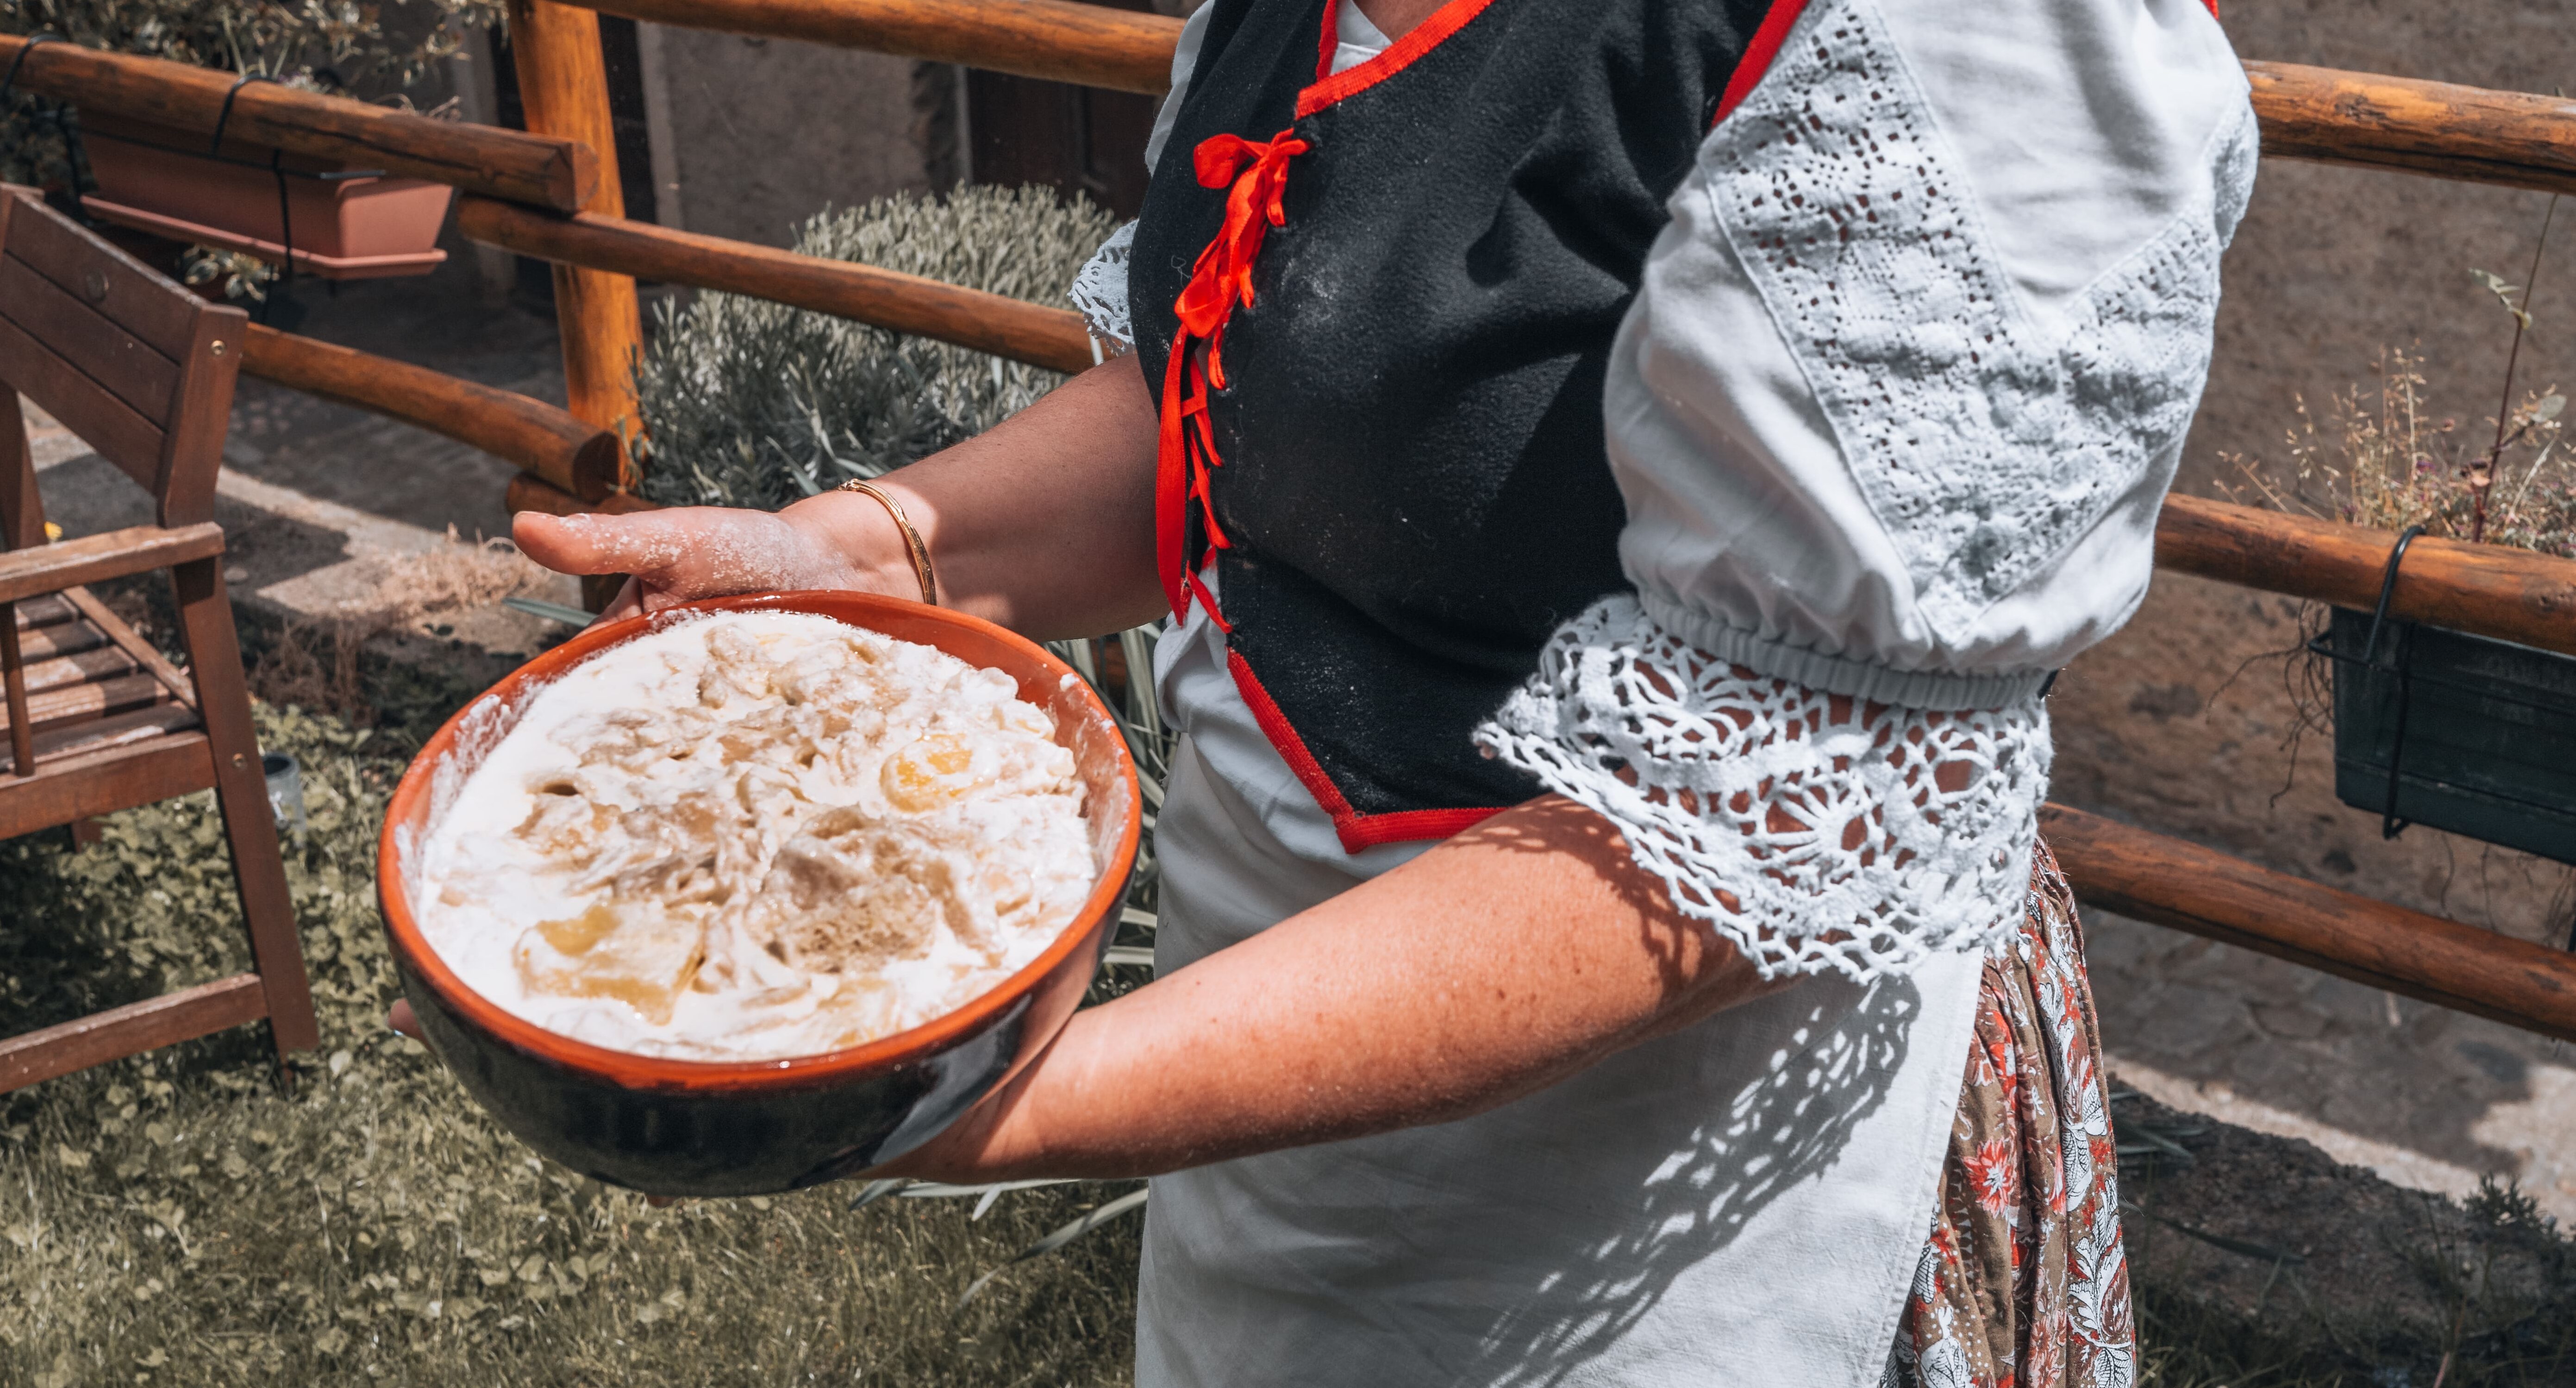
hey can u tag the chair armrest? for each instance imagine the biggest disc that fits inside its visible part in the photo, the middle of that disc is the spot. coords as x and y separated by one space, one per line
27 573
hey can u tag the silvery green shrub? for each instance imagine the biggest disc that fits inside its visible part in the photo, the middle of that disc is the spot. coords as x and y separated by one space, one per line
751 403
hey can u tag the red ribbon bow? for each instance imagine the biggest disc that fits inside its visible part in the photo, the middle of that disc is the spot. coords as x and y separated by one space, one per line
1221 279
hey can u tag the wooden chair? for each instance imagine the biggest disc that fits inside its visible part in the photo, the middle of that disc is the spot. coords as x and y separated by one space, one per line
142 371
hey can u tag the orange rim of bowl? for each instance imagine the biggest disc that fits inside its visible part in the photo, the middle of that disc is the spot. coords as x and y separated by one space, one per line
631 1070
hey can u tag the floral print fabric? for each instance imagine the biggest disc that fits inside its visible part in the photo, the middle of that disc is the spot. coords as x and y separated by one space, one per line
2023 1283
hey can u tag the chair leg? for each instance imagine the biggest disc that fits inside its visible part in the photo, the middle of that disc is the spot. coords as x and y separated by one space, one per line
259 870
13 679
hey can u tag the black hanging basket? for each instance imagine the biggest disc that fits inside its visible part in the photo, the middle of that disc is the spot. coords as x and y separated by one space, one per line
2465 733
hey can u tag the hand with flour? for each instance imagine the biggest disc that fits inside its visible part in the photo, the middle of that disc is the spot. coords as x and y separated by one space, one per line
1043 524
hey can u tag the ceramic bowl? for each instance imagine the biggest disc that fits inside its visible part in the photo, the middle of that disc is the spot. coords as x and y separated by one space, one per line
684 1127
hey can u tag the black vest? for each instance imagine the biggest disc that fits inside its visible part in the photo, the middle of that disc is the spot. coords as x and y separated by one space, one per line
1411 481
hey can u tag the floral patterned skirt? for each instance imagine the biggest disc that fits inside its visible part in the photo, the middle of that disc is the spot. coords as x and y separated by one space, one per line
2023 1283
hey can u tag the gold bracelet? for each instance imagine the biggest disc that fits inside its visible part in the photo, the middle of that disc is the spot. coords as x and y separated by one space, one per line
912 541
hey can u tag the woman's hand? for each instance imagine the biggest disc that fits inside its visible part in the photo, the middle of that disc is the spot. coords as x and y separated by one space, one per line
694 552
1045 524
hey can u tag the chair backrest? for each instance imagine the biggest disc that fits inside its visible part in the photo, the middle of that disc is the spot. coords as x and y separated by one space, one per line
129 360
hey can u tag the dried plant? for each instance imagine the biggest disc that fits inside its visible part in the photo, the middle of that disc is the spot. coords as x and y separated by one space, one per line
2385 460
314 662
752 403
2382 457
244 276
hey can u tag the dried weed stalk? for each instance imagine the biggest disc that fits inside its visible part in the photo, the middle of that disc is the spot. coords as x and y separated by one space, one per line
314 662
2382 457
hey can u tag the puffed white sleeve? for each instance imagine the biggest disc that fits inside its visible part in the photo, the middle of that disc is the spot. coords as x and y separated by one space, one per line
1099 291
1893 411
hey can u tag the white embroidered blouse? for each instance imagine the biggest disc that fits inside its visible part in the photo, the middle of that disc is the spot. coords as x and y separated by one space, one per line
1893 412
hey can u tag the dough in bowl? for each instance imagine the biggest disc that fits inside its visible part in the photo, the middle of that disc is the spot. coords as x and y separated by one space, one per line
756 835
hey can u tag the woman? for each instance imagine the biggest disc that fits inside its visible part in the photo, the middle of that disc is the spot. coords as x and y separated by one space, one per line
1623 472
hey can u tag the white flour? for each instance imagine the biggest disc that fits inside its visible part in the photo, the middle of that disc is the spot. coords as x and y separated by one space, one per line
757 835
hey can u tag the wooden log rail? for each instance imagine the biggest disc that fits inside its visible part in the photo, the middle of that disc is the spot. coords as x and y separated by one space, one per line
2485 590
2465 133
478 158
1006 327
2194 889
580 459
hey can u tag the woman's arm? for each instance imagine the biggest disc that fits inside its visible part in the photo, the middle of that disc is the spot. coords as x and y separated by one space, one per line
1044 524
1492 966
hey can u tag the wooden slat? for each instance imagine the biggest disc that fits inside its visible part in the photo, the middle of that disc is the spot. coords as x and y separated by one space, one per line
1091 45
133 726
80 703
104 781
151 305
103 663
2435 128
2203 892
112 554
1048 337
2486 590
130 641
58 638
102 421
122 1031
530 433
44 612
501 163
127 366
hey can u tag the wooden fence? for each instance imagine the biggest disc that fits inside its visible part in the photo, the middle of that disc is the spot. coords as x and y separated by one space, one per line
542 193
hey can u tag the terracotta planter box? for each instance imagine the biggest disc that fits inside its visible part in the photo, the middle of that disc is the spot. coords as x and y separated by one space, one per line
161 181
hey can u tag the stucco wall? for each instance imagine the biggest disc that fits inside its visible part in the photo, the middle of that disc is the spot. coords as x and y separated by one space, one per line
766 133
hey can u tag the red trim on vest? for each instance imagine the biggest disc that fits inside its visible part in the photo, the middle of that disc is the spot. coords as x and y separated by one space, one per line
1254 174
1767 38
1331 86
1356 830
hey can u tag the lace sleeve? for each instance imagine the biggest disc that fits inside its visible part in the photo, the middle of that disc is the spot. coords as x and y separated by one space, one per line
1814 831
1099 291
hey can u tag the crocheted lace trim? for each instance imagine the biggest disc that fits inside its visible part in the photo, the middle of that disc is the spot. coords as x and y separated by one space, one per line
1811 830
1985 449
1099 290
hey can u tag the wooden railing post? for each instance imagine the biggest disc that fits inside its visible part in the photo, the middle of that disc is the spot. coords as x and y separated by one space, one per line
563 86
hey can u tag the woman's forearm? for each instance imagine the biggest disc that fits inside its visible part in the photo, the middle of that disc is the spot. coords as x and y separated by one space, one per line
1044 524
1496 964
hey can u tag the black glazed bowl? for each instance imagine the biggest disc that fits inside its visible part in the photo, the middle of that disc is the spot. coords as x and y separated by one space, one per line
701 1128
